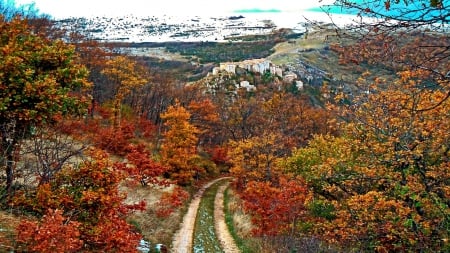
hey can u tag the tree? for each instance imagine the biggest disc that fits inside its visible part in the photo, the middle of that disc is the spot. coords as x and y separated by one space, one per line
254 159
417 13
40 82
393 156
204 117
9 9
242 118
396 132
296 123
179 147
47 152
94 57
276 207
406 35
125 76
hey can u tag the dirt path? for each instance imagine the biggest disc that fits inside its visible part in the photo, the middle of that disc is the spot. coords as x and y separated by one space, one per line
223 234
182 241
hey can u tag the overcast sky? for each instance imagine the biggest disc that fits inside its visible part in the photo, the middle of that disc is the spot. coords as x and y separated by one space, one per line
67 8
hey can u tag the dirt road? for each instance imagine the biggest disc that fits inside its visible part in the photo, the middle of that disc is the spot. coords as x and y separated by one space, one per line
182 241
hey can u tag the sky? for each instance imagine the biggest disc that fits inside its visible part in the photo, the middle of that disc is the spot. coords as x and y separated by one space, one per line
74 8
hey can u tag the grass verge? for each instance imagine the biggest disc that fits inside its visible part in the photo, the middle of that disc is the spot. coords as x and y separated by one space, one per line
205 238
242 244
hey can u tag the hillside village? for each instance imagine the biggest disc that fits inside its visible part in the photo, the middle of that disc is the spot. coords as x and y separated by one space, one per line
260 66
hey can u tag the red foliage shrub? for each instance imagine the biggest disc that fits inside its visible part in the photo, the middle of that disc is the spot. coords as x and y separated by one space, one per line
219 155
144 169
276 208
88 194
54 233
145 128
114 139
170 201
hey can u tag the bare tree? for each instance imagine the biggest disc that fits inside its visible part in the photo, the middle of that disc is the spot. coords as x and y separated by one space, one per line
46 153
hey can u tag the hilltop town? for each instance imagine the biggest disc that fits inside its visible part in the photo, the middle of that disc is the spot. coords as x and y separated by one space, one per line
260 66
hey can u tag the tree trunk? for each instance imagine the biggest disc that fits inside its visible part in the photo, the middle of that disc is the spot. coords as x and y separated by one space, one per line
7 146
9 171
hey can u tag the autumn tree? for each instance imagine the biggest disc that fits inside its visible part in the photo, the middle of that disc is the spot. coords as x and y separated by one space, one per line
417 13
10 9
40 82
394 156
396 132
254 159
204 116
125 75
179 147
403 35
94 57
155 97
276 207
242 118
296 123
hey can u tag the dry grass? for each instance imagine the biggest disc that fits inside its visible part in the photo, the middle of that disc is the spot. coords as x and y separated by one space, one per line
241 220
153 228
8 224
287 52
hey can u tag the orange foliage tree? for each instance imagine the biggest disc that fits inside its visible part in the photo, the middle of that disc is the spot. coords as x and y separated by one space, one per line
125 76
254 159
389 176
383 186
40 81
179 147
204 116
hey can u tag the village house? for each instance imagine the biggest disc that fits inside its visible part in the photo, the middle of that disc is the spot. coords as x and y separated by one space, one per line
246 85
290 77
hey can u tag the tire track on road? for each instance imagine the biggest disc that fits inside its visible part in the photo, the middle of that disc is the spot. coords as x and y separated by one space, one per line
223 234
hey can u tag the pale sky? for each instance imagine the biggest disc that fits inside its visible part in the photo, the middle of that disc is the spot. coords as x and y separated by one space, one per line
67 8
